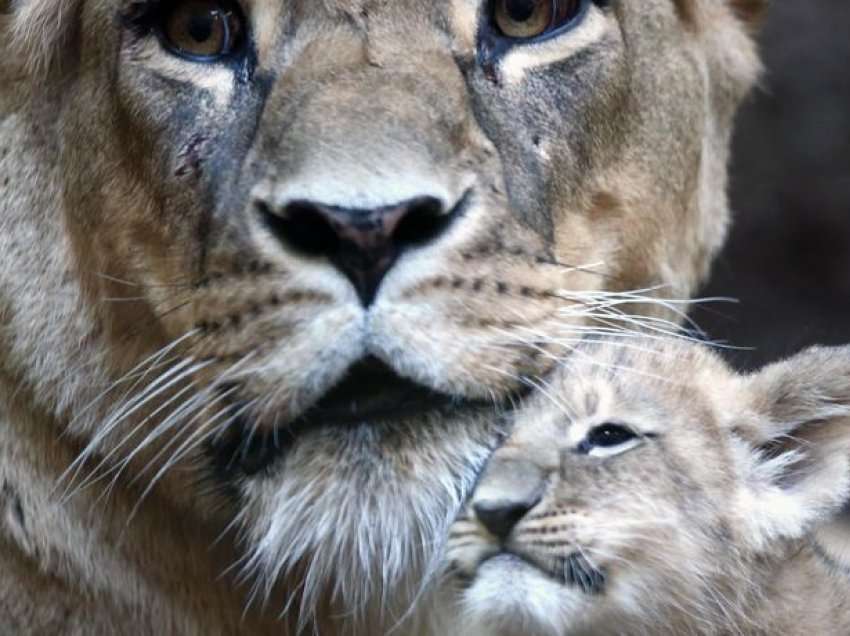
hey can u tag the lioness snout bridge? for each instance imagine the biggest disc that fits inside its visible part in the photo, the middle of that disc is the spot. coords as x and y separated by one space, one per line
358 161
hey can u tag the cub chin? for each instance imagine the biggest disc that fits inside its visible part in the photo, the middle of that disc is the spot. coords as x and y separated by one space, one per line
649 489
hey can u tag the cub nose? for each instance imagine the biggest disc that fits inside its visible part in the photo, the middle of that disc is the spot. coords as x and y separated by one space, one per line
500 516
363 244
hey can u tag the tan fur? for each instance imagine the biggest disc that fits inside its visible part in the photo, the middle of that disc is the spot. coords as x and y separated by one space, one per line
751 11
702 524
145 304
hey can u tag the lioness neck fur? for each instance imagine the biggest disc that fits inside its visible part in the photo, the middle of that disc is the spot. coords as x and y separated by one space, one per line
652 490
176 306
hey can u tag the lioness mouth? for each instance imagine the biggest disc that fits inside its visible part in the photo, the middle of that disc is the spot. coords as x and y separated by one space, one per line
371 392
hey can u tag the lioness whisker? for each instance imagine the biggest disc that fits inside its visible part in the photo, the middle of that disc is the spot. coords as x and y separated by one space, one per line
575 350
141 370
127 283
207 398
94 474
197 409
126 409
118 467
194 440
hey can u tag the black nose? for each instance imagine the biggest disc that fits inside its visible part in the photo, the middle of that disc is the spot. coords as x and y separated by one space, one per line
500 516
362 243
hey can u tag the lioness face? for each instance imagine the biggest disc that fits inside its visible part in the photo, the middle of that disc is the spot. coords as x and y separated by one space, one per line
320 242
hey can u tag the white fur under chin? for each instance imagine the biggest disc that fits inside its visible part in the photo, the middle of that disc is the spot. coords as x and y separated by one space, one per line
347 515
510 597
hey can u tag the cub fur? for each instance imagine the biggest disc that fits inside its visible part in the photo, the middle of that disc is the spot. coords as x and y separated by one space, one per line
176 305
652 490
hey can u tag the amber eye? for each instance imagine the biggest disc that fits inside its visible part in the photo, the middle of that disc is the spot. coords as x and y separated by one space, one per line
203 30
524 19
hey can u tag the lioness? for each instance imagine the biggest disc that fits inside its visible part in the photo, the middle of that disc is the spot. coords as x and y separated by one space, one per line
270 266
652 490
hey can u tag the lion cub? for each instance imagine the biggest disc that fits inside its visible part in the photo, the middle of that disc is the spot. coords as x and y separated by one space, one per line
649 489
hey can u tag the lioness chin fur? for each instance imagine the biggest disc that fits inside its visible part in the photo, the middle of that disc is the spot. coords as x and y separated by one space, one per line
213 212
652 490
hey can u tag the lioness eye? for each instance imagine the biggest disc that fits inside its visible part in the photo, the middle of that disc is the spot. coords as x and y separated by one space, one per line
203 30
524 19
609 435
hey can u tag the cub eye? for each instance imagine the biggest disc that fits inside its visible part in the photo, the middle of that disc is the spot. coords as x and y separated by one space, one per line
607 440
203 30
525 19
609 435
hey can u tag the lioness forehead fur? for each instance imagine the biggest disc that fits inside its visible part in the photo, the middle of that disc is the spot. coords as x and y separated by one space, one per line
699 519
159 338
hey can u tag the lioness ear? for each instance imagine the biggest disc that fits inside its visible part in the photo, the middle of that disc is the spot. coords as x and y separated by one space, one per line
794 446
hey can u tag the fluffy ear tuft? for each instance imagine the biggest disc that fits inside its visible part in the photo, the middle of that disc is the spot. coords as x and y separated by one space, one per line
812 386
795 450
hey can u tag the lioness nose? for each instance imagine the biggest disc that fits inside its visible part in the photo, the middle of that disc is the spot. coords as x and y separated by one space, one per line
500 516
362 243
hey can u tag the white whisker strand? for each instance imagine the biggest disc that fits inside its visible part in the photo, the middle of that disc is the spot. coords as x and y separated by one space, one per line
144 367
117 468
195 439
124 410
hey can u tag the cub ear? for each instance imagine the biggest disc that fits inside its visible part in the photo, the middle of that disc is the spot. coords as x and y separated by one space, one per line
809 388
751 12
793 446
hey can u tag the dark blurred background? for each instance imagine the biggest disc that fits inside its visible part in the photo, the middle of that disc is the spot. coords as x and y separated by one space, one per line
788 257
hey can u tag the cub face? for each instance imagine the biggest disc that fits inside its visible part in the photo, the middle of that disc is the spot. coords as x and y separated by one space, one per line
650 489
421 197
